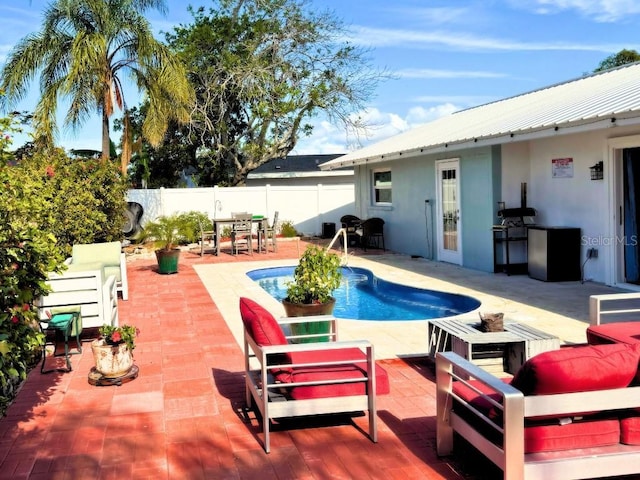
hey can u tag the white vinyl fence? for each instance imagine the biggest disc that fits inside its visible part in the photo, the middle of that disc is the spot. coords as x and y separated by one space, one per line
306 207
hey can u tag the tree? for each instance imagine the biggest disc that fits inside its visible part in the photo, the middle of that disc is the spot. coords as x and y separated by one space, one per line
82 52
261 69
155 167
623 57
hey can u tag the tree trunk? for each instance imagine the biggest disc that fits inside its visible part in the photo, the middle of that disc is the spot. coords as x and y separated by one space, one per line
106 147
125 154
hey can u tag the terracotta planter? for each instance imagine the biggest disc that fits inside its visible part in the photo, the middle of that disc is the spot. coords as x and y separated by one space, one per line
168 260
111 361
309 328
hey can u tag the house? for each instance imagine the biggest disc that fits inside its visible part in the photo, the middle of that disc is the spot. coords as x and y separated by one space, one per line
299 170
571 151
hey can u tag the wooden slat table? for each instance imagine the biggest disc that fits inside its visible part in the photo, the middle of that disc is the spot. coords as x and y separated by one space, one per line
494 351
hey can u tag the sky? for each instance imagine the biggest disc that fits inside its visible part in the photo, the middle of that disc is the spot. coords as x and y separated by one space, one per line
441 56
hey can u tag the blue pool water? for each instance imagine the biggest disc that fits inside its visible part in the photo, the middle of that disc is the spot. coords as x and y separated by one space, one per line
363 296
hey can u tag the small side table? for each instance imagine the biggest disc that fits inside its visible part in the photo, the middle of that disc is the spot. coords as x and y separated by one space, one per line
493 351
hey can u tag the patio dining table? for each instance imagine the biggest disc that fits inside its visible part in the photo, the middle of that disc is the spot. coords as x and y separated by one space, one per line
219 223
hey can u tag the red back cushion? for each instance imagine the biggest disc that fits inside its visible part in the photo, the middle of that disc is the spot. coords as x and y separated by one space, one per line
578 369
261 325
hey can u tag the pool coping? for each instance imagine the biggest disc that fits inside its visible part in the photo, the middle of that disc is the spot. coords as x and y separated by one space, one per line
520 298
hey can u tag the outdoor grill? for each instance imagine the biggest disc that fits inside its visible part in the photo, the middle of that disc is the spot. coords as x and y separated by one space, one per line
515 217
512 230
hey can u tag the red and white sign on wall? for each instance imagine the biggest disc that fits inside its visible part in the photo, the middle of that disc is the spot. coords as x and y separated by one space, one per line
562 167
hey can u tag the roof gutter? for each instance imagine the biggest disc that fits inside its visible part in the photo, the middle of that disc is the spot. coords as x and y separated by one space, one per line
548 131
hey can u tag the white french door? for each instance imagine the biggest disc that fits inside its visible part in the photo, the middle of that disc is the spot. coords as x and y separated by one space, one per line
448 211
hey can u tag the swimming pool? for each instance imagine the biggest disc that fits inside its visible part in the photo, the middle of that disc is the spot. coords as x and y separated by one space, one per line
363 296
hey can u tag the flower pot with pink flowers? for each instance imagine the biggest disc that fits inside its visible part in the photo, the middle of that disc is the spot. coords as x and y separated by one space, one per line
113 351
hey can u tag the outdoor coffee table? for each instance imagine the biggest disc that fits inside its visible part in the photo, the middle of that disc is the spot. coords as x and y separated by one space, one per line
493 351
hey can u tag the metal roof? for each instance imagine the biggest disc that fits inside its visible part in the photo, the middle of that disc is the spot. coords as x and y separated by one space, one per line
596 101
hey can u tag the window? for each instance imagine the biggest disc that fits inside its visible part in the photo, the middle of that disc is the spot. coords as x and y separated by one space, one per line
382 187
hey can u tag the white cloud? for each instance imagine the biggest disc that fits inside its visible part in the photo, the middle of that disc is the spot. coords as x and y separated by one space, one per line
435 73
463 100
420 39
437 15
598 10
328 138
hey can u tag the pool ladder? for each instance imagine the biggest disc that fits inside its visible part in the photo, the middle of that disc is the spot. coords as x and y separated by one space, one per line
342 231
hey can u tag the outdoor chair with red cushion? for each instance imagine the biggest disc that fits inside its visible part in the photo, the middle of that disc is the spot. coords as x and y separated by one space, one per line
307 378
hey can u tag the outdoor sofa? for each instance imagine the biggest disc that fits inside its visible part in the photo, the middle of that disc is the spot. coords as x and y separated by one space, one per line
567 413
284 379
95 274
105 255
571 413
96 297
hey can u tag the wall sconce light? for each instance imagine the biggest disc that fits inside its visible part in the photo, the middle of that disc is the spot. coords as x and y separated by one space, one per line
597 171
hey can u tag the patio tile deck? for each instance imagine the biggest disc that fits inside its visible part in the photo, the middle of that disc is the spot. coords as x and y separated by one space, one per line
184 416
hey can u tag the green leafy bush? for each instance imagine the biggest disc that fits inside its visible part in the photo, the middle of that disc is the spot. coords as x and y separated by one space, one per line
196 219
168 232
315 278
27 254
78 201
48 202
287 229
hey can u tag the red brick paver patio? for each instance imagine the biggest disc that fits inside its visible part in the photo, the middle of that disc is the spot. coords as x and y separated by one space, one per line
184 416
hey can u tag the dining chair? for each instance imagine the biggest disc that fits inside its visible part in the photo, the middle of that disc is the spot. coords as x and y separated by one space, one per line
242 232
207 233
268 233
372 231
350 223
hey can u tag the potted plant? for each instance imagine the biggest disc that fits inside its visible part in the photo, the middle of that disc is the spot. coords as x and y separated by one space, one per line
113 351
315 278
167 233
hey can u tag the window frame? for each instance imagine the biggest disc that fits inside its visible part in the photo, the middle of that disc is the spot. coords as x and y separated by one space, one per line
375 188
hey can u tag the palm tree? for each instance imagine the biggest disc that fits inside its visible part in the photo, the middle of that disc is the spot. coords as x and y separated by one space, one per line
82 52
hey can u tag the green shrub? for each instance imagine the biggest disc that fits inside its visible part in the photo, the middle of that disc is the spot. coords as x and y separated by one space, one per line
168 232
287 229
195 219
48 202
27 254
78 201
315 278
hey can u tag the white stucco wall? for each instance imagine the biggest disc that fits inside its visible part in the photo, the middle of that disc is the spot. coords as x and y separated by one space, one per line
577 201
515 171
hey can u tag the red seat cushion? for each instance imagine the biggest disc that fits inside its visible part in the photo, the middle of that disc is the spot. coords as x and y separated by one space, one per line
545 435
331 372
617 332
630 430
587 433
578 369
261 325
478 401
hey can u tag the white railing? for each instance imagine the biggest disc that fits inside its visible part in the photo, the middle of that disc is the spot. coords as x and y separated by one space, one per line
342 231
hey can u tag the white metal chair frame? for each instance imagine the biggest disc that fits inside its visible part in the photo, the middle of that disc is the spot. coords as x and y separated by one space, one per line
266 393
